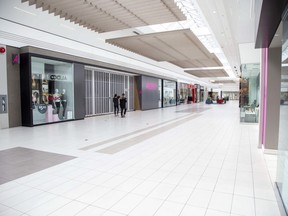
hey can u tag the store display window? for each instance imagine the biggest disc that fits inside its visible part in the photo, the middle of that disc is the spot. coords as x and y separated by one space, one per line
183 93
169 93
52 95
282 153
249 93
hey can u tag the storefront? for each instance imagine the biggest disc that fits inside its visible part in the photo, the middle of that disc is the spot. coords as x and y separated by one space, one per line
201 93
197 93
148 93
184 93
47 90
100 86
169 93
282 165
249 93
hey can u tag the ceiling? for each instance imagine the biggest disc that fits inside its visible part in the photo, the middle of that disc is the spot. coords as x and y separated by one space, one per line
130 24
180 47
208 73
111 15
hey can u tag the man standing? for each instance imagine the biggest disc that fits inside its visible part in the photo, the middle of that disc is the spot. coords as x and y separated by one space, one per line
123 101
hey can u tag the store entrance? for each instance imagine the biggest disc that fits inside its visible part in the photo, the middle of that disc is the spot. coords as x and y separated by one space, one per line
101 85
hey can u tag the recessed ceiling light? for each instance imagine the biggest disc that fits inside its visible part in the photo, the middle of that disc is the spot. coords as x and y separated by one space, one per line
214 12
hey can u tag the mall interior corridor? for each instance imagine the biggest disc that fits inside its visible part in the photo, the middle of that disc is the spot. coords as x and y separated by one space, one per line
188 160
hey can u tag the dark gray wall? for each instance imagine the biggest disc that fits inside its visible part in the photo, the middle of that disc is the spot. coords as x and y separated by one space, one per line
150 93
14 97
268 20
79 91
25 85
273 98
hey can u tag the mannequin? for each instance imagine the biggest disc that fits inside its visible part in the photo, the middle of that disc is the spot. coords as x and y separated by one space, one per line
64 101
57 100
3 105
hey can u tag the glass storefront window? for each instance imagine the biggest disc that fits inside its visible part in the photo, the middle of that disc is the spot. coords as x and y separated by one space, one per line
52 90
184 92
169 93
282 162
249 93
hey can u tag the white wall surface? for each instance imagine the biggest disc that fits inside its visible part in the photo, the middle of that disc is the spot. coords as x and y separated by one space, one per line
248 54
4 121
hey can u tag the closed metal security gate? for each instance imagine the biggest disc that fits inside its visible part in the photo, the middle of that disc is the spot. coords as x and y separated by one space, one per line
101 85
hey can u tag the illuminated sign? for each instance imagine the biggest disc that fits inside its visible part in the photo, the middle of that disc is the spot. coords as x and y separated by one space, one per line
151 86
15 59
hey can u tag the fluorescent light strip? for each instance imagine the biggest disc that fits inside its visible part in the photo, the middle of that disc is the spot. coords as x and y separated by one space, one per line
27 12
67 27
192 11
206 68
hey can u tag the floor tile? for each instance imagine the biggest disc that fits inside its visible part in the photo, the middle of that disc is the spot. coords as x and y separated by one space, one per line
34 202
200 198
18 162
127 204
92 195
221 202
11 212
162 191
91 211
265 208
169 209
216 213
191 210
71 208
49 207
109 199
145 188
175 166
147 207
243 205
180 194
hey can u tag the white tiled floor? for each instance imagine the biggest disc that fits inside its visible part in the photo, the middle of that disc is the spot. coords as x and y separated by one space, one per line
204 166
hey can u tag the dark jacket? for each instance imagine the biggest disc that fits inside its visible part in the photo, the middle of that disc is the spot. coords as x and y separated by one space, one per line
115 101
123 101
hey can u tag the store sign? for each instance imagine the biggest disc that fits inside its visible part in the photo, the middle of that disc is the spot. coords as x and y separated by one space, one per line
151 86
42 108
15 59
56 77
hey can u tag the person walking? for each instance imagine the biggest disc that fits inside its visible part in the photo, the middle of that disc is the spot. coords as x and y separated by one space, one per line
123 101
116 104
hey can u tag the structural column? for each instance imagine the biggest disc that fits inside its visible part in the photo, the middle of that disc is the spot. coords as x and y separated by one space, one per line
4 120
270 98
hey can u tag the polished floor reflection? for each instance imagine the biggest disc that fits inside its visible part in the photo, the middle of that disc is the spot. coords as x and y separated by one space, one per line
189 160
